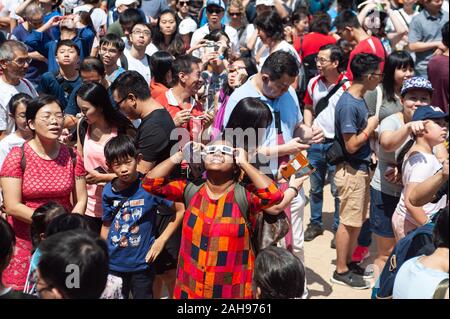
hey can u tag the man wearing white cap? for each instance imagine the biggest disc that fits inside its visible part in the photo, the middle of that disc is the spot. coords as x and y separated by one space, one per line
215 10
120 6
186 28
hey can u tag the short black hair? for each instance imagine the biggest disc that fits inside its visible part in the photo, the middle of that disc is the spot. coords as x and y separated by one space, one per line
345 4
299 14
130 17
114 40
336 54
41 218
444 32
271 23
320 23
441 229
67 43
37 103
363 64
77 248
182 64
120 148
280 63
90 64
346 18
131 82
279 274
65 222
7 243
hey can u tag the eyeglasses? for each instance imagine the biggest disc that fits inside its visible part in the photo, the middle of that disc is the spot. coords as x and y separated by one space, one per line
321 60
59 117
21 62
212 10
184 3
121 101
211 149
235 14
142 32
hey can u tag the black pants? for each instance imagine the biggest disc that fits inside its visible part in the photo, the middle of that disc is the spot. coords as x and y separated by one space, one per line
139 283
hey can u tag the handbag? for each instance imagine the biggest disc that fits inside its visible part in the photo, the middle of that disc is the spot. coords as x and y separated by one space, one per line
335 154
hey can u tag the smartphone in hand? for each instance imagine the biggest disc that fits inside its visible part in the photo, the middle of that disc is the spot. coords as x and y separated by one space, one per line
101 170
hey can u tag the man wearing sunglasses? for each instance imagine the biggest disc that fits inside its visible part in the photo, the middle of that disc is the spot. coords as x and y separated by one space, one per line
14 62
215 11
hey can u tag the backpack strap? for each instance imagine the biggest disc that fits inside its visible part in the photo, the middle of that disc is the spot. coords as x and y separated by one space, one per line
441 289
240 197
190 190
82 130
124 61
23 162
148 60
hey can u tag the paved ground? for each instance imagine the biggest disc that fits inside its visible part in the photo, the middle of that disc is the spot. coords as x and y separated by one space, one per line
320 259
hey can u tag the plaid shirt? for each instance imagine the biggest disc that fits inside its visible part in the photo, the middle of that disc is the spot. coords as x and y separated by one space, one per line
215 259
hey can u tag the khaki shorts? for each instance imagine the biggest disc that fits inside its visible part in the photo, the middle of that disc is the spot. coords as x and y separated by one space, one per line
353 191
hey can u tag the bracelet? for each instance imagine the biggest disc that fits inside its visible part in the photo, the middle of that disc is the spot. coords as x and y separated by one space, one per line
365 134
295 189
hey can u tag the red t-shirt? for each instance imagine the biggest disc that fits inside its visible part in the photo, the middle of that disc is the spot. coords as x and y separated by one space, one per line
371 45
313 41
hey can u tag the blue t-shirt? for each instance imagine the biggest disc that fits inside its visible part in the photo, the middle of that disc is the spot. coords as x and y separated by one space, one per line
132 231
351 118
54 84
36 68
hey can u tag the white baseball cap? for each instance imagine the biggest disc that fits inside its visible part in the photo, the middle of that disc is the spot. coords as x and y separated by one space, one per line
187 26
124 2
268 3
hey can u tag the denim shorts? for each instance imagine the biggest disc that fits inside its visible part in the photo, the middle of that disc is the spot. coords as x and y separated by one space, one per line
382 207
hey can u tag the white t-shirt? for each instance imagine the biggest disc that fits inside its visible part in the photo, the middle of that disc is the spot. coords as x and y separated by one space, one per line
140 66
282 46
203 31
7 144
416 169
150 49
7 91
316 90
98 16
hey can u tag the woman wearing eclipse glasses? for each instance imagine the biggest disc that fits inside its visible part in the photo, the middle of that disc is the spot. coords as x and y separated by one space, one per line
216 259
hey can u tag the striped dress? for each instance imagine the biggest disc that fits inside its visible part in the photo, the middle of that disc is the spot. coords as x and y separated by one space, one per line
215 259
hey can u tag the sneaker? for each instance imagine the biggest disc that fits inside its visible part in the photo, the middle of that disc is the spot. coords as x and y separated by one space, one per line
358 270
360 253
313 231
350 279
333 242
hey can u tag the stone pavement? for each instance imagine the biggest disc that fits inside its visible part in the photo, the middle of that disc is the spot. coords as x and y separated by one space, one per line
320 259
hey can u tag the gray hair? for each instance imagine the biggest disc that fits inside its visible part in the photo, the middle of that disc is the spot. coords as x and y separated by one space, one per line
33 9
8 47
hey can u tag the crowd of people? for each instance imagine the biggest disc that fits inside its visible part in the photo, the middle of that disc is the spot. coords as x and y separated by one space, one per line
142 145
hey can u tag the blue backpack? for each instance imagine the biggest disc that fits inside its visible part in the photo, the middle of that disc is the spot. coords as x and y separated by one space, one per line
416 243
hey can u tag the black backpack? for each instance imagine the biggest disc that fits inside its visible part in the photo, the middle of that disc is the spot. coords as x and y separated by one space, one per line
416 243
124 61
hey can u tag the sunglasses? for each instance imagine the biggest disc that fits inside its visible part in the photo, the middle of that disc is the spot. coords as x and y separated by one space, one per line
235 14
184 3
211 149
212 10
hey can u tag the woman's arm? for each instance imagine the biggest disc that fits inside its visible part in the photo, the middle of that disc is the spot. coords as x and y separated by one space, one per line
258 179
418 213
295 184
20 9
426 191
12 199
80 195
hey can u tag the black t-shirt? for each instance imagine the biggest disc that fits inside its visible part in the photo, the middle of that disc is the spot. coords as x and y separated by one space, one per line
153 136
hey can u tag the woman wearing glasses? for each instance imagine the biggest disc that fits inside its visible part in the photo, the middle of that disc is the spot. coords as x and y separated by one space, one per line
41 170
216 259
